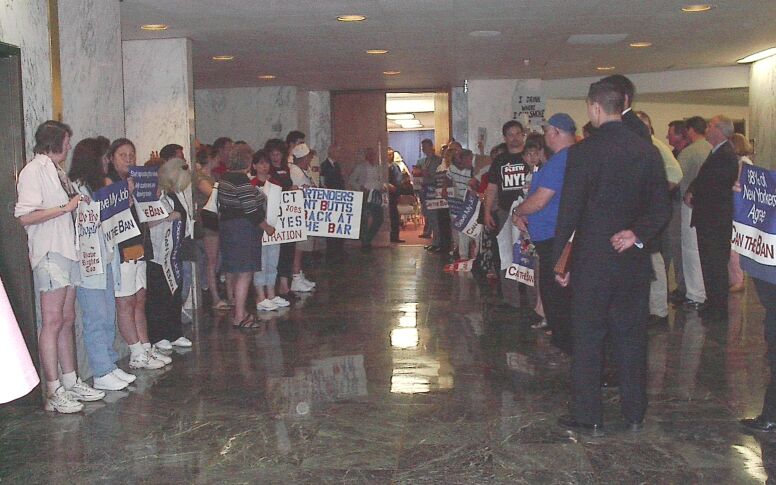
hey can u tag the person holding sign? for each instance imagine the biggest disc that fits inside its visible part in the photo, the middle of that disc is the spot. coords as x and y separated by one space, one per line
277 151
301 176
45 207
131 281
241 214
95 293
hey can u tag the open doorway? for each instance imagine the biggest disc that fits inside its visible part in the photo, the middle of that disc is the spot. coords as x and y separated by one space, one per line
412 118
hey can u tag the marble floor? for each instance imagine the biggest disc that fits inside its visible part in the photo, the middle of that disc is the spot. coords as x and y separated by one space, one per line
394 371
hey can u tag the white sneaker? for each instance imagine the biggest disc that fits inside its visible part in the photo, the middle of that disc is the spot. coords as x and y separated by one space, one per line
124 376
298 285
266 306
83 392
62 403
280 302
155 354
144 361
182 342
163 344
110 382
304 278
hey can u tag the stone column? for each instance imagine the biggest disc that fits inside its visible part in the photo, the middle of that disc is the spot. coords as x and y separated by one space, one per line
762 103
158 94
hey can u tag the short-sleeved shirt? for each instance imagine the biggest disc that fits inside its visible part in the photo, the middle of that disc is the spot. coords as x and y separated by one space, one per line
508 172
541 224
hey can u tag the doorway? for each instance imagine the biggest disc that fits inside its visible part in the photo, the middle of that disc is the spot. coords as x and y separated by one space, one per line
410 119
14 263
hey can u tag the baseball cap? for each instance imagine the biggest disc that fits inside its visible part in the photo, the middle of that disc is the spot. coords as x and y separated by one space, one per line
301 150
563 122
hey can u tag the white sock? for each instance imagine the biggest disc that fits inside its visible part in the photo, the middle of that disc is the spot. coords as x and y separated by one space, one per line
52 386
136 349
68 380
147 346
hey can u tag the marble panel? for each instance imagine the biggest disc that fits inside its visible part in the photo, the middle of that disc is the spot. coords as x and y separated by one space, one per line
251 114
762 103
319 114
24 24
158 94
92 79
460 115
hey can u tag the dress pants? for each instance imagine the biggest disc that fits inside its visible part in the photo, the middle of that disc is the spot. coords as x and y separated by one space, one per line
714 251
369 231
767 293
163 309
658 289
393 207
555 298
445 230
672 242
601 306
691 262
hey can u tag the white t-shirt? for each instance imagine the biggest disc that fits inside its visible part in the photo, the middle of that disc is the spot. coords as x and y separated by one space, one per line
299 177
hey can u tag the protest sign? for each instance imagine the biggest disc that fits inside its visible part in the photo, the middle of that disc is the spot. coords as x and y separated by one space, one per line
466 219
523 263
117 221
754 217
149 207
87 225
333 213
166 241
436 199
289 219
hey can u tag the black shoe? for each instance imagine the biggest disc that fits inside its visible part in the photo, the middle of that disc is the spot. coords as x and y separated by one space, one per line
431 248
569 422
656 321
398 240
693 305
758 424
677 297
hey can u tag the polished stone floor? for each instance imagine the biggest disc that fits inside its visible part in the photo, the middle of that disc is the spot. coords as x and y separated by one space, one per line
397 372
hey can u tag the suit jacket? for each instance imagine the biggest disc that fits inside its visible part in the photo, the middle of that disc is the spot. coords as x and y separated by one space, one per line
633 123
614 180
712 189
332 175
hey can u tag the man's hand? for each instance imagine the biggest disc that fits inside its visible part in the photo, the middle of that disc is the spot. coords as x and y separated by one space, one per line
623 240
563 280
489 222
521 222
688 199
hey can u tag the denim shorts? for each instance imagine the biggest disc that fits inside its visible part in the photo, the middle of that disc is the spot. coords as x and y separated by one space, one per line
55 271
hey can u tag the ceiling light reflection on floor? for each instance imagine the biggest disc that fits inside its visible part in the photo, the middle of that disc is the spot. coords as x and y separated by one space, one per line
419 374
404 338
409 320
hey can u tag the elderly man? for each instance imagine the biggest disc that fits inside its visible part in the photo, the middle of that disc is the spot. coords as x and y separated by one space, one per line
711 197
366 177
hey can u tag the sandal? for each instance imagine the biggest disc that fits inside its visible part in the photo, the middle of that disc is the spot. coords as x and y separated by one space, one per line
248 322
221 306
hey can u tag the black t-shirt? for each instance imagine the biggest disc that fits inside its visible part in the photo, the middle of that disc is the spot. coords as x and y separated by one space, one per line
509 173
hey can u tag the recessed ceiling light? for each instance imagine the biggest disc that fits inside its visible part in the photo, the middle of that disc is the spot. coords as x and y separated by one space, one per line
222 58
758 56
698 7
377 51
638 45
391 73
351 18
402 116
485 33
266 76
154 27
605 68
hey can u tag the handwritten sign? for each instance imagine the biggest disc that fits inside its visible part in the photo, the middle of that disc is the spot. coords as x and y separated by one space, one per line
289 219
149 207
333 213
117 221
754 217
87 225
523 263
466 219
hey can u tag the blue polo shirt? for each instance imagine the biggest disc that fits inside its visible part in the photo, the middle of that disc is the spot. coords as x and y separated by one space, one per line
541 224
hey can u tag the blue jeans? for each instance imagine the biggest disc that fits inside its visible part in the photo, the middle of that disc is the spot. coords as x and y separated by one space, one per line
270 253
98 313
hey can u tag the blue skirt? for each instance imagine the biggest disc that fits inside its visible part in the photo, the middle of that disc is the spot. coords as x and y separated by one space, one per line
240 246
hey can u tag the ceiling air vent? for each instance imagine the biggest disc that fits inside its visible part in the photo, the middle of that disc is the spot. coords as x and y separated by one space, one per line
596 39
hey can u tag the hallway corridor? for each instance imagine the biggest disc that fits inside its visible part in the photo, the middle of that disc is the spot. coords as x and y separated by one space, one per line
394 371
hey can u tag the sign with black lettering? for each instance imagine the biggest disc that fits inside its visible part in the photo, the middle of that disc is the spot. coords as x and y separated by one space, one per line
288 217
333 213
117 221
754 218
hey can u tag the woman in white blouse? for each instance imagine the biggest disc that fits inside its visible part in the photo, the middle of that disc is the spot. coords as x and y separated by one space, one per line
45 207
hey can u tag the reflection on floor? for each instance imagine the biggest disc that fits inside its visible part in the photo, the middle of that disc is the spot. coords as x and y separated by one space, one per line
396 372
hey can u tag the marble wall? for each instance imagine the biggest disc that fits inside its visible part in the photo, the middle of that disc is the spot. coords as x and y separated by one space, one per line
319 117
251 114
158 94
24 24
460 116
92 80
762 104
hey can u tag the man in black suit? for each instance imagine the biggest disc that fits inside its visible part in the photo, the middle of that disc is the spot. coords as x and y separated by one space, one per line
711 197
615 200
331 178
629 118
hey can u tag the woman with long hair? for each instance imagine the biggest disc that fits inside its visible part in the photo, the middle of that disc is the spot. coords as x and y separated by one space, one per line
45 207
95 293
131 279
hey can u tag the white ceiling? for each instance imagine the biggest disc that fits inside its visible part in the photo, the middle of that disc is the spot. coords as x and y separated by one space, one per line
302 44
